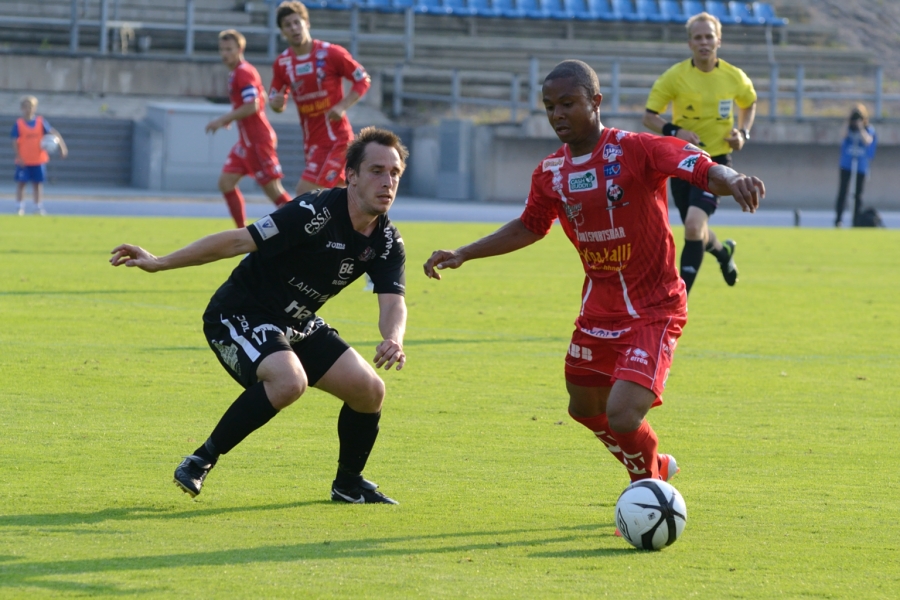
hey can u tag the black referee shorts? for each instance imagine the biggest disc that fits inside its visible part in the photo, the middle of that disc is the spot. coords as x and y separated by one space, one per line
685 195
242 341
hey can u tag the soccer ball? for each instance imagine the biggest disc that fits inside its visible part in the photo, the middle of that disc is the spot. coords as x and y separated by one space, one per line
650 514
50 143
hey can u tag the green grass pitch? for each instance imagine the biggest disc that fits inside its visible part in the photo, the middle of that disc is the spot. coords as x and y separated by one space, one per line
781 408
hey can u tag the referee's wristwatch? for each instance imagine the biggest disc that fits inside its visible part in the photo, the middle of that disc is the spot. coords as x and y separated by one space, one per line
744 134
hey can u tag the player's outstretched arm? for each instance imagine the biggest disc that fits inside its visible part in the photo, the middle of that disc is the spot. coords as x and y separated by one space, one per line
392 325
211 248
509 238
747 190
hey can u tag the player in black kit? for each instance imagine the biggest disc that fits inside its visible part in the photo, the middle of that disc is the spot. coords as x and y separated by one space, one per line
262 322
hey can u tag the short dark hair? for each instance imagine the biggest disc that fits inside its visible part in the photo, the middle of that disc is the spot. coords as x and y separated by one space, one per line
357 149
580 71
285 9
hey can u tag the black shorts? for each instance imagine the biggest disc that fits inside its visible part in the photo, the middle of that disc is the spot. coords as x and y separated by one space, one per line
240 342
685 195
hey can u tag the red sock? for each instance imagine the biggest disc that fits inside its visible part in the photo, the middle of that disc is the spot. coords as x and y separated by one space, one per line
235 201
599 426
639 452
282 199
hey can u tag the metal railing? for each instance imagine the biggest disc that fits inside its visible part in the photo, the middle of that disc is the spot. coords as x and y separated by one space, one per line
105 24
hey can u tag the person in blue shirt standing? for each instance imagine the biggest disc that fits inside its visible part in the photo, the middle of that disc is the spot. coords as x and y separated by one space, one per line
857 149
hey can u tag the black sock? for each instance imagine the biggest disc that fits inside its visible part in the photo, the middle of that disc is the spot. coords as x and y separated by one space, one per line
248 413
691 259
721 254
356 432
208 451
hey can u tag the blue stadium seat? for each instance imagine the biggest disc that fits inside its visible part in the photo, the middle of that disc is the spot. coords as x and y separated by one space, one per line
720 11
693 7
765 11
460 8
431 7
484 8
601 10
507 9
402 5
744 13
625 10
650 11
378 5
671 10
580 9
532 9
558 9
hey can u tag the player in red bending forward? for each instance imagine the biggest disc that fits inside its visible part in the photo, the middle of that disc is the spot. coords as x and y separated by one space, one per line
607 187
312 72
254 153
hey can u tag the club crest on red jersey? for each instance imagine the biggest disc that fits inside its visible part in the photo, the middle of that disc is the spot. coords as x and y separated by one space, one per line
611 151
614 193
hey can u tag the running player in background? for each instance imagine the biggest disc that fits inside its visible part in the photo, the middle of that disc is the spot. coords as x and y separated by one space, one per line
254 153
702 91
312 72
607 187
262 321
31 158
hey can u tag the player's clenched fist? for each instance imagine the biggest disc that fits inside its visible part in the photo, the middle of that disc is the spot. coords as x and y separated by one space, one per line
442 259
134 256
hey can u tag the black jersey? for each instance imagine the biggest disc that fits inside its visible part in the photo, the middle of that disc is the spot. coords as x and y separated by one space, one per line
307 252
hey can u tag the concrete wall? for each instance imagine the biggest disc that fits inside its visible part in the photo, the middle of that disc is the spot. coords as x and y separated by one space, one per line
798 162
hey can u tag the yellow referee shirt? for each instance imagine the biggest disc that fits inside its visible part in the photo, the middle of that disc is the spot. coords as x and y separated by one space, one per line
702 102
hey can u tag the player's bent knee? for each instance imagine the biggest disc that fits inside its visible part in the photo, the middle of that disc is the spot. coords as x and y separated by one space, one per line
284 392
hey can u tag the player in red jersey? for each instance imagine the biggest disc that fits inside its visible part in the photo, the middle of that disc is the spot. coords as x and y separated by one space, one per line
312 72
254 153
608 189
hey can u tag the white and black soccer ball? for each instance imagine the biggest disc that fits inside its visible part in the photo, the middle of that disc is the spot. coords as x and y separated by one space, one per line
50 143
651 514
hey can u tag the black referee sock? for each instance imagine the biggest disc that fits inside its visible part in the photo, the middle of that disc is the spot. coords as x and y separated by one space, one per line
356 432
248 413
691 259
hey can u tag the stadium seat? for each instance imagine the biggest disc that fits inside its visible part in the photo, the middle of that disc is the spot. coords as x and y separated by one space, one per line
431 7
484 8
765 11
625 10
650 11
333 4
378 5
532 9
580 9
693 7
720 11
402 5
558 9
744 13
507 8
601 10
460 8
672 11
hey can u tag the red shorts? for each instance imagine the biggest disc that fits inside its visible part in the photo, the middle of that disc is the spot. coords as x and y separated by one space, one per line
325 165
257 159
636 350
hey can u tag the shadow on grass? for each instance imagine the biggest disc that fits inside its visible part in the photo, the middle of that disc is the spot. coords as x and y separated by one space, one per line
140 292
34 573
137 513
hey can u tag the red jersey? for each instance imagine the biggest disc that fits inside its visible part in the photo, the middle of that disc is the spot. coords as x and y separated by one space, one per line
613 207
315 82
245 85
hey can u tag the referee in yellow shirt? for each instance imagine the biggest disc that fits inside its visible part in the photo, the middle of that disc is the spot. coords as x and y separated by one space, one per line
703 91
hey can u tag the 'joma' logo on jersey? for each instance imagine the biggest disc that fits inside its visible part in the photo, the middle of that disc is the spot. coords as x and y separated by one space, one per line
586 180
